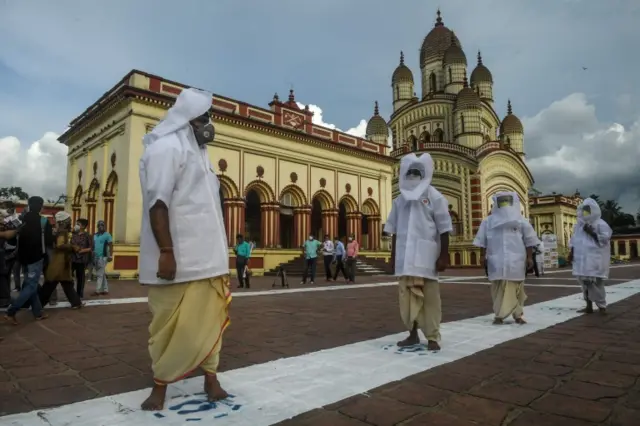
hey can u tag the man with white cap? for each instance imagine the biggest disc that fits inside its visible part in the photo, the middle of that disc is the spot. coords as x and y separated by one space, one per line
506 240
183 249
59 267
421 224
590 255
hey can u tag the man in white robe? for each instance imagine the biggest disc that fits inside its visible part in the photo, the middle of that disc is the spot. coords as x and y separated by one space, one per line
590 255
421 224
183 249
506 240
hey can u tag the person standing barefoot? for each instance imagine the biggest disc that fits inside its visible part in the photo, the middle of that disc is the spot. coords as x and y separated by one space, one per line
183 249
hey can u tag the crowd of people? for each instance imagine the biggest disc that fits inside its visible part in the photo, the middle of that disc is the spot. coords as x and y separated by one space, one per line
46 256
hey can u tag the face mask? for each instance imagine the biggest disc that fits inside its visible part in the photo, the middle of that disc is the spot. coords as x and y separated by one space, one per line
504 204
76 228
586 211
204 134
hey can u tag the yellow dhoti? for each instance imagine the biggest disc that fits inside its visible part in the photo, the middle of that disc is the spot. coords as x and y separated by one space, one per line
508 298
187 326
420 302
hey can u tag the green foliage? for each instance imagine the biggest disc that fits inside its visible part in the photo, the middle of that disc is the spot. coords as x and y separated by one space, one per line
13 191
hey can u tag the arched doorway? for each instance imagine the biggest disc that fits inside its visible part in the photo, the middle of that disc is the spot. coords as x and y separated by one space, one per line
370 226
342 220
316 219
253 225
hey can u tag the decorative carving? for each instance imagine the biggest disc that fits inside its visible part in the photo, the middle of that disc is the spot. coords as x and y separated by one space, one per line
294 177
323 182
259 172
95 168
222 165
347 188
113 159
79 175
370 191
292 120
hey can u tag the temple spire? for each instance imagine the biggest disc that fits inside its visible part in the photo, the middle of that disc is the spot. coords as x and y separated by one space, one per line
509 110
465 82
376 111
292 97
479 58
401 57
439 22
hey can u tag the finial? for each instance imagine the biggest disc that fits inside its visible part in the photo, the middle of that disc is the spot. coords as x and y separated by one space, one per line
401 57
439 19
292 97
509 111
276 98
479 58
465 82
375 109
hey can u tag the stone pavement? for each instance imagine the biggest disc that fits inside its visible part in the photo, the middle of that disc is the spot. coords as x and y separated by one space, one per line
79 355
583 372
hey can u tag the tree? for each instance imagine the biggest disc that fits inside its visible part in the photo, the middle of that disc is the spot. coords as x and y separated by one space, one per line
13 191
611 212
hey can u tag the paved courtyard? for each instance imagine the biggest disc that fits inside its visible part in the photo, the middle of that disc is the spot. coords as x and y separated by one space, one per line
583 371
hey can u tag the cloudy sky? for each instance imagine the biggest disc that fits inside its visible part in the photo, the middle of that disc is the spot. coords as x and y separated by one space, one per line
582 127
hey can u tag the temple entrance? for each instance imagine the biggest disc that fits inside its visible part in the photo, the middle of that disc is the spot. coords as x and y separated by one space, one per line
252 226
287 234
364 227
316 219
342 220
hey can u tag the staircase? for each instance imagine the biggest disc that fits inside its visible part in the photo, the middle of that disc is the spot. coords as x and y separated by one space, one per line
364 267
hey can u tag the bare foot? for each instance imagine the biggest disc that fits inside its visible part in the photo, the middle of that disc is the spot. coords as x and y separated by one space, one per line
213 389
11 319
520 321
155 401
413 339
432 345
498 321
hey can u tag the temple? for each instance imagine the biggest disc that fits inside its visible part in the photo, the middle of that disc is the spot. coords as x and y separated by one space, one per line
476 154
282 177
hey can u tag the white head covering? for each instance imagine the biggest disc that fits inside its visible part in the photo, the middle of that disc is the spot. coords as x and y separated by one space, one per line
413 188
596 212
190 104
61 216
506 214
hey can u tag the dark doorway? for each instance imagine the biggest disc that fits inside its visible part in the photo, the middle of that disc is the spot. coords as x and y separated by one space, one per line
316 219
342 220
252 218
365 232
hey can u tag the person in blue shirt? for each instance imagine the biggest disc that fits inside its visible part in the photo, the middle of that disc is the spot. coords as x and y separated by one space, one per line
243 253
339 256
310 250
102 254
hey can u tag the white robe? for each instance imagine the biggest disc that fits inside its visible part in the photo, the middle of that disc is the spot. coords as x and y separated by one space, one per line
418 225
176 171
506 248
591 258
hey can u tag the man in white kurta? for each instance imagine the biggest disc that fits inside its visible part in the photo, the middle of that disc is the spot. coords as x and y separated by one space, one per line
590 255
507 240
183 248
421 224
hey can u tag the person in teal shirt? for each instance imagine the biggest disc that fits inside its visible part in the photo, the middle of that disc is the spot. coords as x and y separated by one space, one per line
102 254
243 253
310 249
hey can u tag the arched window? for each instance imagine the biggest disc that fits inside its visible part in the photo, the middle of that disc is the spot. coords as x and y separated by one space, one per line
438 135
462 122
432 83
397 92
425 137
414 142
450 76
